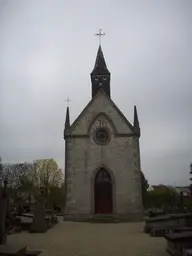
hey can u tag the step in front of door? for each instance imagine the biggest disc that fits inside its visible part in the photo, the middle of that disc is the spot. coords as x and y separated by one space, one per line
104 218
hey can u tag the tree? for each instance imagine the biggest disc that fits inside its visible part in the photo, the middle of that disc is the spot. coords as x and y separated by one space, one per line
27 181
145 186
144 182
190 167
56 196
47 174
1 172
20 179
160 196
12 173
190 170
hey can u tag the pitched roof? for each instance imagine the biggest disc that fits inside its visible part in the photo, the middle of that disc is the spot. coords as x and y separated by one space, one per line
67 119
100 64
101 91
136 120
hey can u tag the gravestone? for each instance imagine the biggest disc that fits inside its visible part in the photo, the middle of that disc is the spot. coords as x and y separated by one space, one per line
39 224
187 252
167 222
178 242
181 203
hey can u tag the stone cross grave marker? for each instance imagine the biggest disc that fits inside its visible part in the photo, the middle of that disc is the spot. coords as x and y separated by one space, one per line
39 224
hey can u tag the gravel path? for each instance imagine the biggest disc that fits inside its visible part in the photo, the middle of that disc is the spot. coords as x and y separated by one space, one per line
89 239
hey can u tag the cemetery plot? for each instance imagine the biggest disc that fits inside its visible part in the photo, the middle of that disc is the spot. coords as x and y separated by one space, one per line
177 242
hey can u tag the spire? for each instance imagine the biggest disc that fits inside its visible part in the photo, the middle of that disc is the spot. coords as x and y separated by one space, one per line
136 121
100 64
67 119
100 76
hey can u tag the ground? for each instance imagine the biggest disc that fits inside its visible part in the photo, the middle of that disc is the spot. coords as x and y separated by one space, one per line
90 239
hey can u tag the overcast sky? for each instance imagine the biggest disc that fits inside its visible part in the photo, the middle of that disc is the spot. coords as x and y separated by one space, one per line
47 51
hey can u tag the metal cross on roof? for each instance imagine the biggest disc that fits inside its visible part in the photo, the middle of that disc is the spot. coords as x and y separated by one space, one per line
67 100
100 34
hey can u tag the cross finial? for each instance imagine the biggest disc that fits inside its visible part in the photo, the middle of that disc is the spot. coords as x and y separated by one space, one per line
67 100
100 34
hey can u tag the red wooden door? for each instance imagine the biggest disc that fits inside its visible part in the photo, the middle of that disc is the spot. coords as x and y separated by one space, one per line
103 193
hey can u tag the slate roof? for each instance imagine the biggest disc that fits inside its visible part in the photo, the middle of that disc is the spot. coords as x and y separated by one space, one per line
100 64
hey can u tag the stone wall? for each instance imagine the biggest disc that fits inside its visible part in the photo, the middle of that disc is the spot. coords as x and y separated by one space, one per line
120 156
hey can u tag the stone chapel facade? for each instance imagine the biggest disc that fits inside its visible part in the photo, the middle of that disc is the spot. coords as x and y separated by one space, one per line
102 157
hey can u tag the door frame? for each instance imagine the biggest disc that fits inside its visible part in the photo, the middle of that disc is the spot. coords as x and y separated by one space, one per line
92 189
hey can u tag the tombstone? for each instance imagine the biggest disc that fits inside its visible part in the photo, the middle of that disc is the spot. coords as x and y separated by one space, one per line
39 224
3 212
181 203
167 222
177 243
187 252
172 201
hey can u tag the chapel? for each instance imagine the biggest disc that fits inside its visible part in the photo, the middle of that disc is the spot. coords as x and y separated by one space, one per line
102 157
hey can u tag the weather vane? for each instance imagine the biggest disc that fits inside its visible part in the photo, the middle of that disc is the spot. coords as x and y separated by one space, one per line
67 100
100 34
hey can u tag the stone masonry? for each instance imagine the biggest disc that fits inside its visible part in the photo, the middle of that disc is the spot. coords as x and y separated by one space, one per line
120 157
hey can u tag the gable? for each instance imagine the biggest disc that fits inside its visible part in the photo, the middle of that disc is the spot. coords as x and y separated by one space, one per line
102 120
101 105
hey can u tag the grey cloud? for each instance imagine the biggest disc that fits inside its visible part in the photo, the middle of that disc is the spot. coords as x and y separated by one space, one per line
48 50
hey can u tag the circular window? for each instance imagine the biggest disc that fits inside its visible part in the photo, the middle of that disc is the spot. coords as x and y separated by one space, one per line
101 136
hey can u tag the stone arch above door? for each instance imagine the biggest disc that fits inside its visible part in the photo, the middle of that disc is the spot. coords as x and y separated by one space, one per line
105 174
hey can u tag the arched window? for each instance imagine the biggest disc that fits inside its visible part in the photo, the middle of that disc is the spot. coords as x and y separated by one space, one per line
103 176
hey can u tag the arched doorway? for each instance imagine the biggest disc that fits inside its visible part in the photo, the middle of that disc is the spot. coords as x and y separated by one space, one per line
103 192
